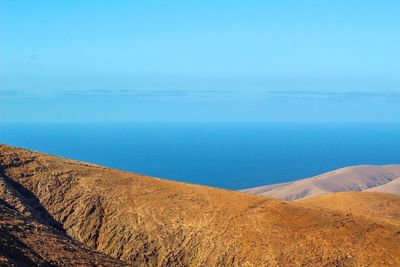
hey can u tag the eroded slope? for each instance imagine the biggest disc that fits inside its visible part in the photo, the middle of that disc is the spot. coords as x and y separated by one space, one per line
393 187
149 221
25 242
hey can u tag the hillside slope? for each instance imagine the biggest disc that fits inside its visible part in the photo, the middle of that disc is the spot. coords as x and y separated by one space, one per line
25 242
350 179
150 221
373 205
393 187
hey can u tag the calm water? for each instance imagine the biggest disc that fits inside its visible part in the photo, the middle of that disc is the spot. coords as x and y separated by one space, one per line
225 155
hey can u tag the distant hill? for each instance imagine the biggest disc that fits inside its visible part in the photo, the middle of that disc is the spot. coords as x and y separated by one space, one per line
392 187
350 179
49 204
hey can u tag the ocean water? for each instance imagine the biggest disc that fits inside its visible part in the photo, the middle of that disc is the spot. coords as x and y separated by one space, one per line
225 155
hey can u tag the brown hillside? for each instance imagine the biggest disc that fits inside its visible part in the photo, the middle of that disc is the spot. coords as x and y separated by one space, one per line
24 242
149 221
374 205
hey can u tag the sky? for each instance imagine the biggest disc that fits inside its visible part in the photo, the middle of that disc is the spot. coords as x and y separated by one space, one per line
167 61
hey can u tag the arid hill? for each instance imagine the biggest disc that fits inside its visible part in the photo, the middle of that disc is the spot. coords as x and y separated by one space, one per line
392 187
153 222
350 179
25 242
373 205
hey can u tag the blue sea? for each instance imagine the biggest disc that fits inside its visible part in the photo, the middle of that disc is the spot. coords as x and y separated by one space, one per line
225 155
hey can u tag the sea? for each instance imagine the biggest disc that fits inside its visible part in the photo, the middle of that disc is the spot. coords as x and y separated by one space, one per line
225 155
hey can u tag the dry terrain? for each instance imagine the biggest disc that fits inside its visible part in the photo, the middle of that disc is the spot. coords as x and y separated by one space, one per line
350 179
25 242
392 187
146 221
373 205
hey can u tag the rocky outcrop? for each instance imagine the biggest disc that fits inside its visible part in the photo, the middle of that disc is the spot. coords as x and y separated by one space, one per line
26 242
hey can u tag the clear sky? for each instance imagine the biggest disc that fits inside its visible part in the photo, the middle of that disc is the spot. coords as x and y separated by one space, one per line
297 61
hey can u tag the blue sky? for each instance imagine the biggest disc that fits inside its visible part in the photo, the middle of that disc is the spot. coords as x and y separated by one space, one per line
298 61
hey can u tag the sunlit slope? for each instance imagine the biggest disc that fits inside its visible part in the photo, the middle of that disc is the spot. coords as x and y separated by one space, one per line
373 205
350 179
149 221
392 187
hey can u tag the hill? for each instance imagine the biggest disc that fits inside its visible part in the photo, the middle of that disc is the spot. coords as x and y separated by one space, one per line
373 205
153 222
25 242
392 187
350 179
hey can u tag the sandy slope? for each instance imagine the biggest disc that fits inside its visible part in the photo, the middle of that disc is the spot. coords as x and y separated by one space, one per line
373 205
154 222
392 187
358 178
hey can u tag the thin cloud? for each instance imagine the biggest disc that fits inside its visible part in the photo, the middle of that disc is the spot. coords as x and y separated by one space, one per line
213 93
136 93
167 92
334 94
96 92
148 93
